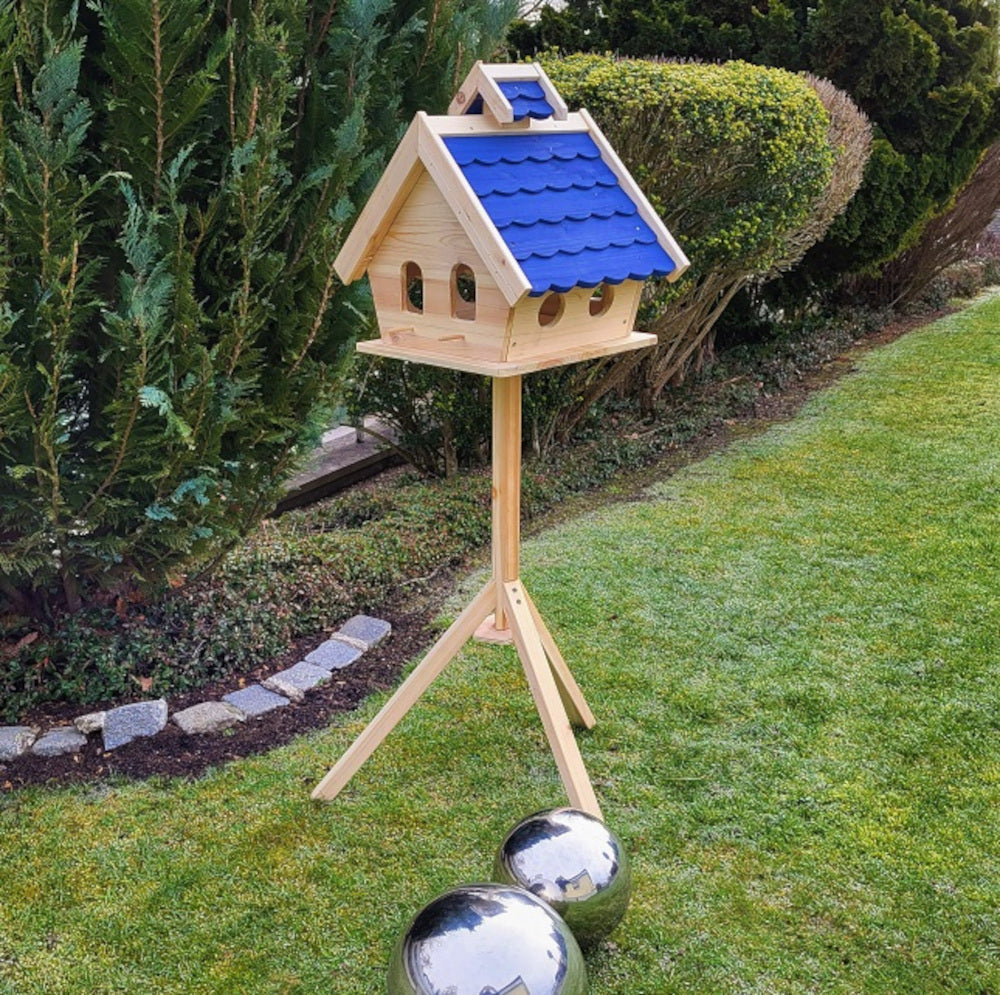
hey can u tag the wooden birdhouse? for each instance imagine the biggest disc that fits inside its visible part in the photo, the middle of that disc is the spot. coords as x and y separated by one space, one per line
507 236
504 238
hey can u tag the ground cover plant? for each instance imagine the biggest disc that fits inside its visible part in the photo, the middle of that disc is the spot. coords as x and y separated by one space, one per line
792 651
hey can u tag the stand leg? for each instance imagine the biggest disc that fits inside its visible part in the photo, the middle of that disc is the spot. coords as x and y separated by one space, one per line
572 697
548 701
437 658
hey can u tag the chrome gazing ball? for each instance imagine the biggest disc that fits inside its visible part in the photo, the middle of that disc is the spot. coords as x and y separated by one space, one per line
571 860
487 939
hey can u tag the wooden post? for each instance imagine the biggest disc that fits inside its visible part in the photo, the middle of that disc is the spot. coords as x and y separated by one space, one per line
506 496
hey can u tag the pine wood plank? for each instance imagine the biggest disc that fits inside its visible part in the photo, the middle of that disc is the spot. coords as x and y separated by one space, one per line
549 703
481 82
576 327
572 697
379 212
439 656
474 124
506 497
402 343
552 95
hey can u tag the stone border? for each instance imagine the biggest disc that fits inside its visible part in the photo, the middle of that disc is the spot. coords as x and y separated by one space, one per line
126 723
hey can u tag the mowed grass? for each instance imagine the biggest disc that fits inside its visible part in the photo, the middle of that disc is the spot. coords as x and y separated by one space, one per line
793 651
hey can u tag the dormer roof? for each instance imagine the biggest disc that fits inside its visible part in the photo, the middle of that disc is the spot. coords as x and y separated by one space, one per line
543 197
510 93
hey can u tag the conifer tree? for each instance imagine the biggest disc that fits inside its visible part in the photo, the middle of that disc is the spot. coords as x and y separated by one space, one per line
175 181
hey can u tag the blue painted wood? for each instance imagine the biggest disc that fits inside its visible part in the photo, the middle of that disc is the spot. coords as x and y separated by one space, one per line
560 209
516 148
578 205
527 98
562 272
552 175
595 234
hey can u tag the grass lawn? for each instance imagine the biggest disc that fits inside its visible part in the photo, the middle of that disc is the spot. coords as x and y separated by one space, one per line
793 652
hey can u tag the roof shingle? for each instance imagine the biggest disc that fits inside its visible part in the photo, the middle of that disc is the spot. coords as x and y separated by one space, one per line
560 209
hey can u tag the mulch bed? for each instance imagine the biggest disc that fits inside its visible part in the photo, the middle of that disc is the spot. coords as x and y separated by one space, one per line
173 753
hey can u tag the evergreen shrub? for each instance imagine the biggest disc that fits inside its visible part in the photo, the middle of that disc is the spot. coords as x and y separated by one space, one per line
175 181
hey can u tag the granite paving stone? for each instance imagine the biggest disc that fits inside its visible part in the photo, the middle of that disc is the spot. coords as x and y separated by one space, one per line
91 722
128 722
334 654
56 742
295 681
208 716
363 631
15 740
255 700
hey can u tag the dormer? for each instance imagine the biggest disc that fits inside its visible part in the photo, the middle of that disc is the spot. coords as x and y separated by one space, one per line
509 94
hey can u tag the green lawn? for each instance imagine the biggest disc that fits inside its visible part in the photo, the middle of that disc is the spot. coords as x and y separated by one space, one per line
793 651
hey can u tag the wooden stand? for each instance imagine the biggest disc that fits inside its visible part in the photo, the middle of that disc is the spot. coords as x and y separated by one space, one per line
502 612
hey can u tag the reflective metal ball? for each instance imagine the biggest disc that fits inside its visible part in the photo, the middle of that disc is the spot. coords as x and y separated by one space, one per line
487 939
575 863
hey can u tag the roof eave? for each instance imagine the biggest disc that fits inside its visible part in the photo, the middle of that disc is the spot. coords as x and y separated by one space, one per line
380 211
634 191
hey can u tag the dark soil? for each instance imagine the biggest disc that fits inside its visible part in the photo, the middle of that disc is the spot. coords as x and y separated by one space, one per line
173 753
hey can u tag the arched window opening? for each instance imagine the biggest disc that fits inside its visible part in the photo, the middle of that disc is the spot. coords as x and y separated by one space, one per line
413 289
463 292
601 299
551 309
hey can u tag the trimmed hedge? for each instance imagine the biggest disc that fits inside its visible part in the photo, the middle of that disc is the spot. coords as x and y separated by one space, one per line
735 158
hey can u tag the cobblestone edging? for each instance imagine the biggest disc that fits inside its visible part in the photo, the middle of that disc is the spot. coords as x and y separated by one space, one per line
126 723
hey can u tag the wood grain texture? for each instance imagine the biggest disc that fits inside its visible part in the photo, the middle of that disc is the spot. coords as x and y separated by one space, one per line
403 343
549 703
379 213
406 696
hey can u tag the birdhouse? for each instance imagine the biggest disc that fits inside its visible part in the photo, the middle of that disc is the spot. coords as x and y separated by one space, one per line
507 236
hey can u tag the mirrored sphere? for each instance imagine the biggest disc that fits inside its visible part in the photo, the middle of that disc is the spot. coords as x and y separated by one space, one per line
571 860
487 939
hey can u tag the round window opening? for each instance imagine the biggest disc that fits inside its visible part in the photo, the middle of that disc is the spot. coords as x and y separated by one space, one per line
601 299
551 309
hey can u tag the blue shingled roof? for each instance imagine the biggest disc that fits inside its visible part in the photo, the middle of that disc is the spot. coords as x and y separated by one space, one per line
560 209
527 98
